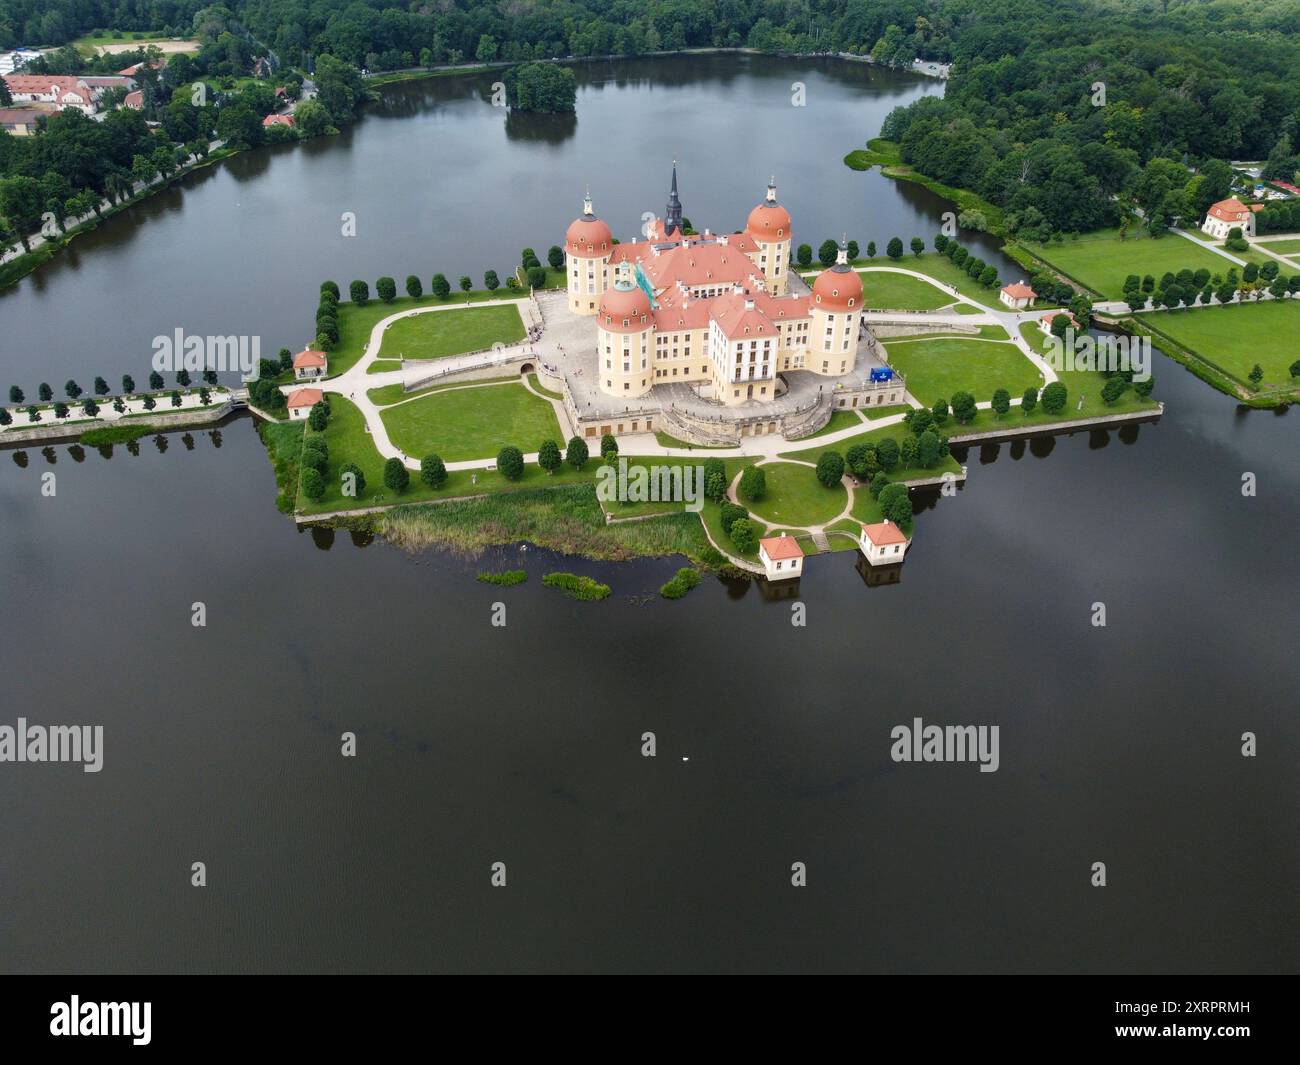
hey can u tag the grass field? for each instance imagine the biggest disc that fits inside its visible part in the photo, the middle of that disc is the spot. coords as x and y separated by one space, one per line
883 291
1282 247
438 334
472 422
932 264
356 322
1238 337
795 497
935 369
1102 261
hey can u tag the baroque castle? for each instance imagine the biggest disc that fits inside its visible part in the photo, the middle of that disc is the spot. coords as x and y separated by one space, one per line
725 312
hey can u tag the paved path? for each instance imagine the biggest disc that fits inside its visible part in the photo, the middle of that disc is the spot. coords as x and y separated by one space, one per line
1210 247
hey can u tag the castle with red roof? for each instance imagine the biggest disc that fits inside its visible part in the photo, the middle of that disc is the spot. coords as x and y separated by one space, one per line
718 310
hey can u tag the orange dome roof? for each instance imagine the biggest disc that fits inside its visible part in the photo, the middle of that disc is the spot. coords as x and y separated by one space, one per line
619 305
769 222
588 237
835 288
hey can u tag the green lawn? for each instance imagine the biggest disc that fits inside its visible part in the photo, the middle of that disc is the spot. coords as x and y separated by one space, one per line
883 291
349 442
840 420
1282 247
1101 261
472 422
356 322
387 395
935 369
796 498
438 334
1238 337
932 264
537 386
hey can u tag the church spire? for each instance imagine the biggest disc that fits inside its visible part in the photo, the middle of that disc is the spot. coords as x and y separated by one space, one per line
673 213
586 204
771 189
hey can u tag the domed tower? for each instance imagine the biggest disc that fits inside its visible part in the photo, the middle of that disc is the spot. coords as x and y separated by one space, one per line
624 348
588 245
769 228
836 316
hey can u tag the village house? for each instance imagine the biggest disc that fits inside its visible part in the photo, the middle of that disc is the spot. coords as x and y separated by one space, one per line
1225 216
301 402
1017 295
782 557
883 543
309 364
277 120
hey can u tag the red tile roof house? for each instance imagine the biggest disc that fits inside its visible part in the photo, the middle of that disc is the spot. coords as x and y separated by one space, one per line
277 120
1045 322
782 557
301 402
134 100
62 90
883 543
1227 215
309 364
1017 295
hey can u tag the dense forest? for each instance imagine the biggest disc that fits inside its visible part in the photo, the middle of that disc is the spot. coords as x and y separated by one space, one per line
1066 115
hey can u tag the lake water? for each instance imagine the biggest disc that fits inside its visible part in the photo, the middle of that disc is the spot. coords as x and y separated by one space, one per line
522 744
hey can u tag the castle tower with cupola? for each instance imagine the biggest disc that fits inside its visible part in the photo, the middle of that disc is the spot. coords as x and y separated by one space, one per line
769 228
836 314
588 246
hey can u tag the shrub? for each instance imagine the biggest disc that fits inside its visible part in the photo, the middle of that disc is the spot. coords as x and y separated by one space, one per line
744 534
830 468
576 454
1001 401
313 484
505 579
731 513
536 276
963 407
683 581
352 482
1054 397
433 471
887 453
1029 401
548 456
414 288
715 479
575 587
753 484
386 288
313 459
360 293
510 462
396 475
608 446
895 504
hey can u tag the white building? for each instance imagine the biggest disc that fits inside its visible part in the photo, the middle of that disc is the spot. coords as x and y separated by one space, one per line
61 90
1017 295
301 402
782 557
883 543
1227 215
309 364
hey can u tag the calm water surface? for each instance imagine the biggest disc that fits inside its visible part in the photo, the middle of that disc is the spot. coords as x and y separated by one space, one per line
522 744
